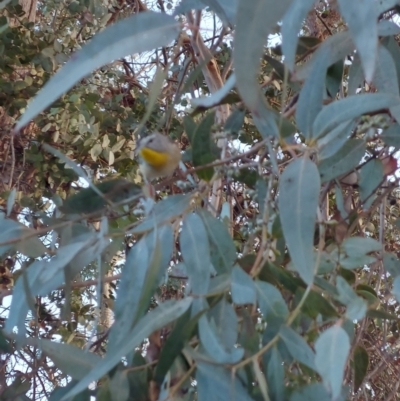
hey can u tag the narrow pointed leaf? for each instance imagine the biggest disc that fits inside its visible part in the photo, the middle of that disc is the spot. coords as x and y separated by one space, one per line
217 383
351 107
291 25
222 248
196 253
361 361
164 211
343 161
71 360
297 347
299 188
161 316
311 96
249 44
332 349
361 17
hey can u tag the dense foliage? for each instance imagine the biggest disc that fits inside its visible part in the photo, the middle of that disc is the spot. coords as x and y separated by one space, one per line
267 267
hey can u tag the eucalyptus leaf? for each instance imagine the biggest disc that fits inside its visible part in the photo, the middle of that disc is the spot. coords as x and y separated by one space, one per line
332 348
164 314
396 288
270 301
195 251
71 360
356 306
386 79
299 188
343 161
164 211
291 25
311 96
275 374
203 148
249 43
356 75
351 107
297 347
243 288
216 97
217 383
391 136
333 141
391 263
371 176
361 17
361 361
359 246
140 276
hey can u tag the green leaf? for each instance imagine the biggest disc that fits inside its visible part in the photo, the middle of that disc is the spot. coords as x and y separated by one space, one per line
163 315
356 306
391 263
195 251
291 25
297 347
316 304
356 75
343 161
275 374
396 288
242 287
334 78
218 332
190 127
313 392
225 9
164 211
59 392
222 248
176 340
351 107
311 96
332 348
385 78
88 201
206 102
360 246
71 360
119 386
391 136
235 121
381 314
203 151
361 361
18 236
371 176
340 45
138 33
249 43
140 276
44 276
217 383
361 17
299 188
270 301
393 47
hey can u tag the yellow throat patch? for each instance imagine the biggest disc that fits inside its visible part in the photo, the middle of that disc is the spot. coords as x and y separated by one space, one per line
154 158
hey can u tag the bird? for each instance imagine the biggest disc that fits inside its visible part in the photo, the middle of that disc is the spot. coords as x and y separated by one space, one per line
159 156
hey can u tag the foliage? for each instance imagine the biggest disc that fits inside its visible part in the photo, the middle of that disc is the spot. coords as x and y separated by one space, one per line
268 268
